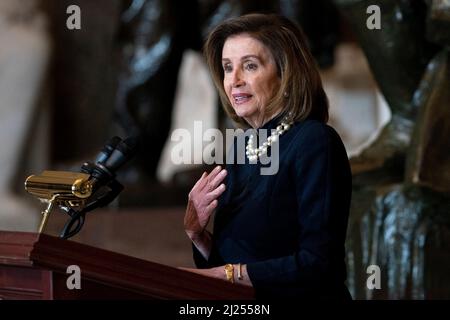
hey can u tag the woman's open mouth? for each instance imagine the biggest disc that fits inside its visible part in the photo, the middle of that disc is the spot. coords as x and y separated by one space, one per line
241 98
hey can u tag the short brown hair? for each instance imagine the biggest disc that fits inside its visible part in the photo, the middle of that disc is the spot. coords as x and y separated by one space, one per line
296 67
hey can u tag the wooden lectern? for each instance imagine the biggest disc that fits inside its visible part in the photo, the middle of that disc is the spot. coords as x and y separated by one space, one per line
33 266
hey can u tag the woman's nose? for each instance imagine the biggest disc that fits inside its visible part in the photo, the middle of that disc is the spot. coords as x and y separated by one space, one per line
238 81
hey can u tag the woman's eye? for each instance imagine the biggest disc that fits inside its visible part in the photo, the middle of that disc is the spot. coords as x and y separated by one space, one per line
227 68
251 66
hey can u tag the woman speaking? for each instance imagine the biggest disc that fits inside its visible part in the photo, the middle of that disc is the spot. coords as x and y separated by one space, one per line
283 234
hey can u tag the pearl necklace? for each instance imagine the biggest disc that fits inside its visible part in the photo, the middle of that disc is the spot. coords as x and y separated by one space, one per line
254 153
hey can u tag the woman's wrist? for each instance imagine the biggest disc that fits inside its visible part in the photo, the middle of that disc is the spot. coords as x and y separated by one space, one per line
197 236
236 273
202 241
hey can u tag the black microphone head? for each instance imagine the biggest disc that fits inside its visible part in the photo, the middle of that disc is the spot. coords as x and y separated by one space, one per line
123 152
108 149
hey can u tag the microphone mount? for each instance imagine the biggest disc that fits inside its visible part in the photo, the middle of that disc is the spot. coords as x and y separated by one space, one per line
79 193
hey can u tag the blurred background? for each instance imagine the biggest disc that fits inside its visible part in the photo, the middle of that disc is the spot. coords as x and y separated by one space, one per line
135 68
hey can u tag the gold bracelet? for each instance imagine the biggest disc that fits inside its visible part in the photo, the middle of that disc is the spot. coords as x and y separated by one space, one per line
229 272
240 277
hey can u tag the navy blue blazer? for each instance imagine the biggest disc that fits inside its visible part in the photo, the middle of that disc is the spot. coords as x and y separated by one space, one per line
289 228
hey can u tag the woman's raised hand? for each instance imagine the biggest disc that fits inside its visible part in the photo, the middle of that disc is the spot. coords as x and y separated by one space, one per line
203 200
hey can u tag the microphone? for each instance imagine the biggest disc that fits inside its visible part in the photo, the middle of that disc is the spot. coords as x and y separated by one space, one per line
124 152
72 190
113 156
107 149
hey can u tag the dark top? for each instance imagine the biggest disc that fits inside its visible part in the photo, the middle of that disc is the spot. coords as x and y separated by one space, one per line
289 228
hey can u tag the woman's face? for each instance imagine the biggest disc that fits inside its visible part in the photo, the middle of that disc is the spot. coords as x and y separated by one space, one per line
250 77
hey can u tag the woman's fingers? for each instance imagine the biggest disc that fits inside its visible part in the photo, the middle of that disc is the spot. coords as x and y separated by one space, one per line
198 186
206 190
204 175
217 179
211 207
213 174
200 181
212 180
204 179
213 195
